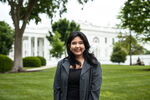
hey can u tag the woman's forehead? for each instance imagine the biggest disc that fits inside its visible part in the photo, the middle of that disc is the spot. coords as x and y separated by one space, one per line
77 38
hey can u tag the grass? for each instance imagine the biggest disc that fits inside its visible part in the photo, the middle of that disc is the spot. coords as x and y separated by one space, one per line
119 83
126 83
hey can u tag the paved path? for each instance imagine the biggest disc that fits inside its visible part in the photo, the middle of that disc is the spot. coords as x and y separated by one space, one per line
40 68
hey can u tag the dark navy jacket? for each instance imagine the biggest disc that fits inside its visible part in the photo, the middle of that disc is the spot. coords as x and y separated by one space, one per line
90 81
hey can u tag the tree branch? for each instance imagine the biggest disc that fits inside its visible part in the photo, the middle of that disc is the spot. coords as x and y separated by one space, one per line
30 7
13 13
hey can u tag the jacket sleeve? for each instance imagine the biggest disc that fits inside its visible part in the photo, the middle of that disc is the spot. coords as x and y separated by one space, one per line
57 82
96 82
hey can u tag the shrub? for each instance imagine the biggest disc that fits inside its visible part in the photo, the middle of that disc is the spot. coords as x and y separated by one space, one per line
5 63
31 62
119 54
43 60
6 38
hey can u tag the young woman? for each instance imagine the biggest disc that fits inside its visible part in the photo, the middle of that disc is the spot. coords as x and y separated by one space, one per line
78 76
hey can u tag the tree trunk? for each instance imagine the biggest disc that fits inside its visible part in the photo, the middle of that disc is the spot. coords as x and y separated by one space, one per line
130 49
18 63
20 25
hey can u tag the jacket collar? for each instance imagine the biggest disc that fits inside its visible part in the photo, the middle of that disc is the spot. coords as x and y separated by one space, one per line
66 65
85 67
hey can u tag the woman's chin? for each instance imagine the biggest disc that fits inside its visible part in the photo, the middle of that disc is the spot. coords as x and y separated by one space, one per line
78 54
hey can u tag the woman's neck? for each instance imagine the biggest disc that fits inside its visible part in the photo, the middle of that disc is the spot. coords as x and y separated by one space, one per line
80 59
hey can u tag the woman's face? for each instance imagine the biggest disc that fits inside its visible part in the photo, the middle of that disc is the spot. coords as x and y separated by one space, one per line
77 46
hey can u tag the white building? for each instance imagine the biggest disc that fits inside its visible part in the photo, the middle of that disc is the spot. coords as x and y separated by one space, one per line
100 38
35 42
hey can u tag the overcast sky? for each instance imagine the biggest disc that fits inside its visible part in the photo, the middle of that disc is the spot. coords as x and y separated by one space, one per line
98 12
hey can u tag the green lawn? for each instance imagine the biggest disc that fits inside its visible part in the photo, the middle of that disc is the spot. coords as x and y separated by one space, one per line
119 83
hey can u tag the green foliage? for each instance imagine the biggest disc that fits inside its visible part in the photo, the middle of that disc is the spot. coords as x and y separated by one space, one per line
57 46
31 9
43 60
61 30
23 11
6 38
31 62
119 54
146 51
135 15
65 27
6 63
136 48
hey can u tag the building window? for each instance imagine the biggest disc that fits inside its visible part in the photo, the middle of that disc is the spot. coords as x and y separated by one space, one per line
105 39
96 40
113 40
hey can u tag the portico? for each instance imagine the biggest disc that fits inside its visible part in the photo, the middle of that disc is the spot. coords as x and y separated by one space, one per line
35 43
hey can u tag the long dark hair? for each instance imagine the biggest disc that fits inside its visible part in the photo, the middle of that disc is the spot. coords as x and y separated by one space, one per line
89 57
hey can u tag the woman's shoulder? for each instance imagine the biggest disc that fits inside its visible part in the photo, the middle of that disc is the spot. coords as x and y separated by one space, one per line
63 60
98 63
96 67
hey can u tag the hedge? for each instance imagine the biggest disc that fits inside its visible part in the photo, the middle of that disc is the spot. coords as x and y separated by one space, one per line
6 63
31 62
43 60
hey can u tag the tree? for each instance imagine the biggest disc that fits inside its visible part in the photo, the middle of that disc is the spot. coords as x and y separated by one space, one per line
136 48
23 11
135 15
6 38
65 27
146 51
57 46
119 54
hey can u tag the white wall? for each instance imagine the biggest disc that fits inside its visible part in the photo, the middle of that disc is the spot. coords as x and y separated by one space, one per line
144 58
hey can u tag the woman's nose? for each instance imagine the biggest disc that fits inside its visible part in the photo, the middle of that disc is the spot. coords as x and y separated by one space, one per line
77 45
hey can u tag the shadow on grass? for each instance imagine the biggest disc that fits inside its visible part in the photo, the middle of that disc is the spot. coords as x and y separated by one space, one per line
145 69
140 69
25 71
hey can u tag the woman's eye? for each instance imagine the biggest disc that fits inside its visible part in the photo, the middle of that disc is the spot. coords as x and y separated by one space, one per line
73 43
81 42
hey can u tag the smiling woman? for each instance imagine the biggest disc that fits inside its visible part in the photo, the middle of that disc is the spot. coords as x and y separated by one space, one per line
78 76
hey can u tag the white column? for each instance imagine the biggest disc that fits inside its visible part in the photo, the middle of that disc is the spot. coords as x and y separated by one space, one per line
35 46
29 47
46 50
41 47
